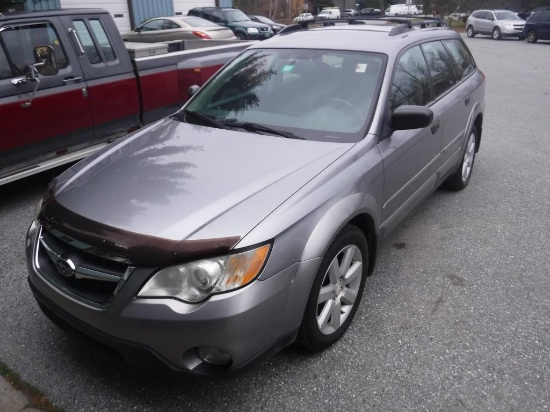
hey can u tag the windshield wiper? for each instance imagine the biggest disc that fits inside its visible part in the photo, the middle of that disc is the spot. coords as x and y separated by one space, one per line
260 128
207 119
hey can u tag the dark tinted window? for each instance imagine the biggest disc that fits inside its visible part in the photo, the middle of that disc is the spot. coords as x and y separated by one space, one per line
411 81
440 65
462 60
20 42
153 25
479 14
545 16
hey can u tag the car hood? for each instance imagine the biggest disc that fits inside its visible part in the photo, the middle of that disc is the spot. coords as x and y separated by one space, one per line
180 181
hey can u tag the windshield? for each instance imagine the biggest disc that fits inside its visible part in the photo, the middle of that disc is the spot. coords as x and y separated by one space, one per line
506 15
313 94
233 16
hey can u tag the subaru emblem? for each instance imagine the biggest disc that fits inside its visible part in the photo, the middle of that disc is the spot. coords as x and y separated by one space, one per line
66 267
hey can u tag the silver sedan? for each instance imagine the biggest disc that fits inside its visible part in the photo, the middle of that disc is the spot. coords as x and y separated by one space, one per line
162 29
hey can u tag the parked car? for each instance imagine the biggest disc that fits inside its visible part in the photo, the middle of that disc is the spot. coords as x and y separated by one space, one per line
236 20
370 12
276 27
537 27
495 23
349 13
161 29
401 10
525 14
329 13
250 218
304 17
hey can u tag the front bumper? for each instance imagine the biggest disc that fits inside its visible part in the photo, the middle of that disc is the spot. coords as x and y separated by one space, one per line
162 335
511 31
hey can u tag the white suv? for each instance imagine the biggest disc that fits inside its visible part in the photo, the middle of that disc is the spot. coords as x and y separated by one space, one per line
496 23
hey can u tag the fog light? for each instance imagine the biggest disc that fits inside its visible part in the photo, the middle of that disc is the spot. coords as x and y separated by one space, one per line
214 356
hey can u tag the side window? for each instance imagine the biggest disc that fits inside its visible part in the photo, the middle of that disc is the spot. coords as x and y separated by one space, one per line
441 70
20 41
545 16
95 55
152 25
462 60
5 69
169 25
411 84
217 17
104 43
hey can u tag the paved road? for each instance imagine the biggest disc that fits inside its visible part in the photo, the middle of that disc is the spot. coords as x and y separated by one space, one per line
455 317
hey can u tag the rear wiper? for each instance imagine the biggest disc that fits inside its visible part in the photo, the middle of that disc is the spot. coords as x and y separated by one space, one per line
259 128
207 119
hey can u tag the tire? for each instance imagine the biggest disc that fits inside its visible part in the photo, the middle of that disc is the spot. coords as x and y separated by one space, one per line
470 32
336 291
240 36
532 36
460 179
496 34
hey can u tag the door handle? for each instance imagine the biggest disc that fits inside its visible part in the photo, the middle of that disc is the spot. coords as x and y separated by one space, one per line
435 127
72 79
467 101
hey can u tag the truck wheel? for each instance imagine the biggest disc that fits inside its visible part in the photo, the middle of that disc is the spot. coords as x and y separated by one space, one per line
532 36
240 36
336 291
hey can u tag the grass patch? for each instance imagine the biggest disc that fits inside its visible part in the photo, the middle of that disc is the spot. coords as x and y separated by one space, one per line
36 398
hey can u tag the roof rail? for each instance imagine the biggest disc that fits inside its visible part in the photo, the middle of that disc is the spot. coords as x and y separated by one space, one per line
404 25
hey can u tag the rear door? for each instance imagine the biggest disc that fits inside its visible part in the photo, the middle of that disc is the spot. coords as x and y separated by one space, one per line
112 85
544 24
54 118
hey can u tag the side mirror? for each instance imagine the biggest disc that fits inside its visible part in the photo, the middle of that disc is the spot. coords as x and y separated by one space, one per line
192 90
411 117
45 60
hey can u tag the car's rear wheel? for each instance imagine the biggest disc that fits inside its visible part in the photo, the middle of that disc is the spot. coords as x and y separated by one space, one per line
497 35
532 36
470 31
336 291
459 180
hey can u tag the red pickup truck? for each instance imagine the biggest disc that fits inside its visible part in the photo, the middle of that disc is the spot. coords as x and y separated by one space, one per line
68 86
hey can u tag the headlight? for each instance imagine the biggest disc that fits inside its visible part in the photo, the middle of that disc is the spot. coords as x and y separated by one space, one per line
252 30
195 281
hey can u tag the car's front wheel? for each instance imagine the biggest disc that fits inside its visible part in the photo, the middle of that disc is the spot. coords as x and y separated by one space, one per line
470 31
459 180
336 291
241 36
497 35
532 36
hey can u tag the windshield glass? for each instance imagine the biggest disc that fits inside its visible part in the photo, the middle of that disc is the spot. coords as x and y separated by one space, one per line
314 94
233 16
506 15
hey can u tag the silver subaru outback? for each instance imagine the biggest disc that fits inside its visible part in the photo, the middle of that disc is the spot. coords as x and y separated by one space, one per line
249 219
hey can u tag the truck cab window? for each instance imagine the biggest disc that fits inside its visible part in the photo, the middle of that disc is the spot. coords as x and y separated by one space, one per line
87 42
20 42
104 43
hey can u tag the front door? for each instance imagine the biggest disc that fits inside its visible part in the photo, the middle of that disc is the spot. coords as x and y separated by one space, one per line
54 117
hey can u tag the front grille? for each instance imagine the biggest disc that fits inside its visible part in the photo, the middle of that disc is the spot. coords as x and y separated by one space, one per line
518 27
78 269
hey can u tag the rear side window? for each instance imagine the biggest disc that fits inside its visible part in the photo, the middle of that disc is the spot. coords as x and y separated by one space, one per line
96 55
545 16
441 70
411 83
20 42
463 62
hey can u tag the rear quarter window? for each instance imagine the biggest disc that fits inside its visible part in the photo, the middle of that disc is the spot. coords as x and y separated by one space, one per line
462 60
